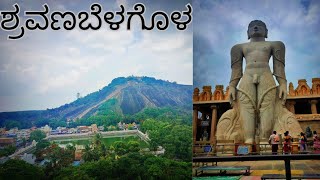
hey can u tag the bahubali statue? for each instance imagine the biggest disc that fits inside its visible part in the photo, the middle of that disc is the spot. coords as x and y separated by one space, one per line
258 103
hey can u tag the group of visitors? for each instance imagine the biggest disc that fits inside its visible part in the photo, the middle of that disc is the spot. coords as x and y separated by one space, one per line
274 140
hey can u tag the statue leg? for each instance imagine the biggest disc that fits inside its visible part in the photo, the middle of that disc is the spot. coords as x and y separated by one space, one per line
267 98
246 96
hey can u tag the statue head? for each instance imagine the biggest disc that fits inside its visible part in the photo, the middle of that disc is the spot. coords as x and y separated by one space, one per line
257 28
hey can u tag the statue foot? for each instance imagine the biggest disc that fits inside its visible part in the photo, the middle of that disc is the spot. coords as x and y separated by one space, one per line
249 141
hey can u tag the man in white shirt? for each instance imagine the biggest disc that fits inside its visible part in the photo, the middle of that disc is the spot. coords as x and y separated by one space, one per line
274 141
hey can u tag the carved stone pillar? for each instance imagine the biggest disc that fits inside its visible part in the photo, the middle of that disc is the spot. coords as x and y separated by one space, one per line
213 124
195 124
314 106
291 106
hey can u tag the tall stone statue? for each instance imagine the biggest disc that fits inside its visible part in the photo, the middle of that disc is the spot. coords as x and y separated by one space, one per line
258 104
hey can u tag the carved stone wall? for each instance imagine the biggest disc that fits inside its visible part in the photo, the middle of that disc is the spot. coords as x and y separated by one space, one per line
303 89
226 96
316 86
196 92
206 94
218 93
292 92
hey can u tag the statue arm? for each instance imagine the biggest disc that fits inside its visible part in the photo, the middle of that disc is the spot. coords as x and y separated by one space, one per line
279 61
236 68
236 65
278 67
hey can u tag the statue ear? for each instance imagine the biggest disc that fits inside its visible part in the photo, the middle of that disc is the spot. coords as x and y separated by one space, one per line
248 34
266 36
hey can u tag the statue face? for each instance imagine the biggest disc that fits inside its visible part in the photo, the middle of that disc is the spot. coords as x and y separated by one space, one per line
257 29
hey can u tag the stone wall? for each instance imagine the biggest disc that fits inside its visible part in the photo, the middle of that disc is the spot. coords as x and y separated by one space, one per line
314 125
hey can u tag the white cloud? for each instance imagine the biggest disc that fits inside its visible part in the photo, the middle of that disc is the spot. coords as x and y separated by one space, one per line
59 64
59 81
313 13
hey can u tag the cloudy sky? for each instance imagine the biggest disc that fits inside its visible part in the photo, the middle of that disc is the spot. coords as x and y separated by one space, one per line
218 25
46 69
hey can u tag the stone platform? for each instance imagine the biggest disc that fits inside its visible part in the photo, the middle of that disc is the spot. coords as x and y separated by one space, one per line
258 168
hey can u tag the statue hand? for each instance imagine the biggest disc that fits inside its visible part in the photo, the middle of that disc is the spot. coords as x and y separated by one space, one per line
283 93
232 94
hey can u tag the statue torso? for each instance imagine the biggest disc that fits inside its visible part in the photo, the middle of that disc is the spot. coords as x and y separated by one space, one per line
257 55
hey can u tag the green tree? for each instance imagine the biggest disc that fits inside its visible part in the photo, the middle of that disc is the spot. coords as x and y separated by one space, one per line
40 149
24 142
130 166
58 158
97 138
120 148
90 154
133 146
7 150
9 124
176 138
37 135
42 144
178 143
18 169
71 173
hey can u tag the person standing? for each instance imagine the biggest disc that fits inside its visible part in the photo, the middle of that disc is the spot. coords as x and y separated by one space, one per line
316 141
287 143
303 142
274 141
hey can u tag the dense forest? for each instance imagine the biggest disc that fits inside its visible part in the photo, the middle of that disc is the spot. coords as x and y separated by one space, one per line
166 127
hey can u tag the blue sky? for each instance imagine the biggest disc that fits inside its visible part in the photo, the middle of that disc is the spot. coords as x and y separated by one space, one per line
46 69
218 25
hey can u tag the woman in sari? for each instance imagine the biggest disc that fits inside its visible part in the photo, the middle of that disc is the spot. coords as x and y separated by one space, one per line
286 143
316 141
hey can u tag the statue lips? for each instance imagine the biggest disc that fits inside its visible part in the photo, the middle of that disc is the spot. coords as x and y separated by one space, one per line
256 29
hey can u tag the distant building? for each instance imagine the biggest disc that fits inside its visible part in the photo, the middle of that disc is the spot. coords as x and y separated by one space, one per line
23 134
83 129
7 142
2 131
54 132
29 158
64 131
11 135
46 129
78 155
12 131
120 125
94 128
101 128
33 128
72 130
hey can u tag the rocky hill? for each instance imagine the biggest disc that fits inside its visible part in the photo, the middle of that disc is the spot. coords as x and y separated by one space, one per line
132 94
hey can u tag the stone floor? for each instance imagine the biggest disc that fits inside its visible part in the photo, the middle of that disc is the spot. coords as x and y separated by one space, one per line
258 168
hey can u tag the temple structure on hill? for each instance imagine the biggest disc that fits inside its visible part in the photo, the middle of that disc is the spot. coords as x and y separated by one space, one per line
209 105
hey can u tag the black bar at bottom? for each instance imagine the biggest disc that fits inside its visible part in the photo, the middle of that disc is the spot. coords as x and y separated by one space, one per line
288 169
285 157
